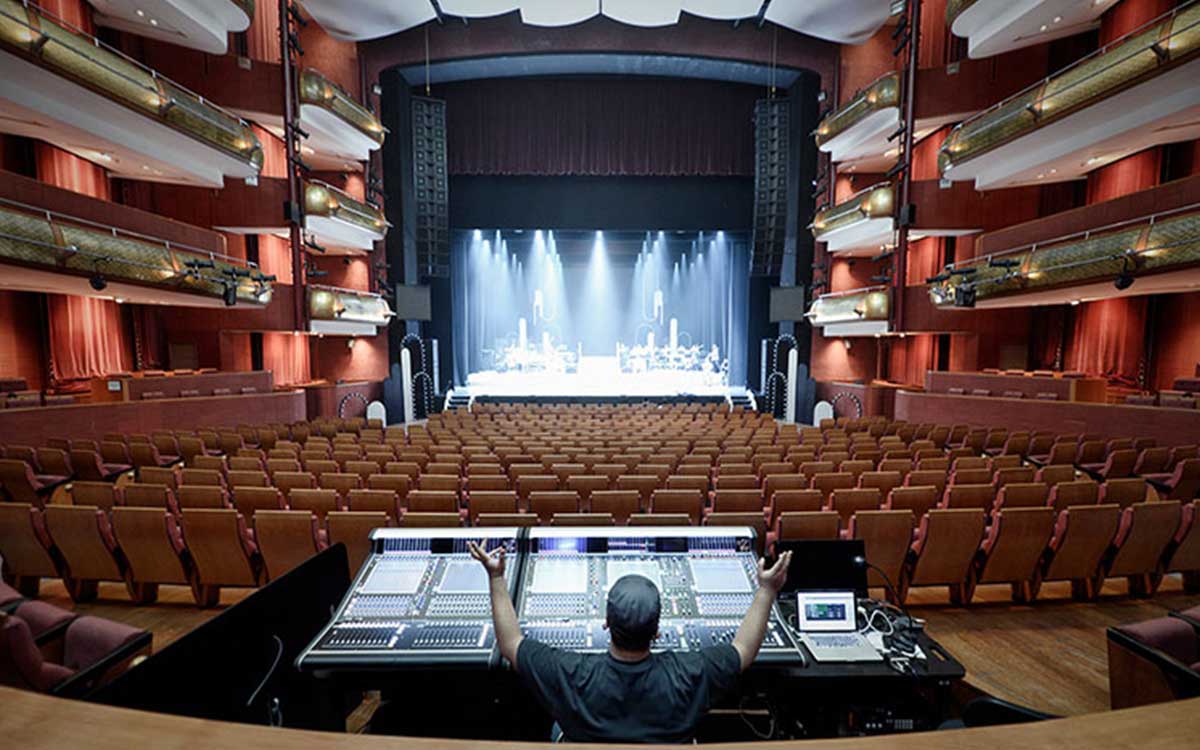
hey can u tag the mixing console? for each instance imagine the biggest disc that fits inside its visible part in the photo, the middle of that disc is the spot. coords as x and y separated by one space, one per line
706 577
418 599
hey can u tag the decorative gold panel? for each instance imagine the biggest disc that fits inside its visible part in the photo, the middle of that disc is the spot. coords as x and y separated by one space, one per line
323 199
319 91
882 93
875 202
873 303
348 305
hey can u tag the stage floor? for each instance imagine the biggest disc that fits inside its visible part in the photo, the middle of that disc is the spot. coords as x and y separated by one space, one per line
599 377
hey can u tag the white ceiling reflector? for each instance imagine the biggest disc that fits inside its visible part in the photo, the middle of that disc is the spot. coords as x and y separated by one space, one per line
643 13
558 12
478 8
725 10
843 21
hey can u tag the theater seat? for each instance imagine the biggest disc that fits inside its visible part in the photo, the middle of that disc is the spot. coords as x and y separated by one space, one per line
413 519
26 550
154 549
506 519
547 504
847 502
1081 538
793 525
979 496
22 485
1012 549
102 495
1118 464
754 520
84 537
582 519
21 662
319 502
886 535
90 467
738 501
942 551
1183 555
659 519
1067 494
138 495
1143 535
1022 495
375 501
620 504
917 500
145 454
353 529
1183 483
223 551
1123 492
285 539
687 502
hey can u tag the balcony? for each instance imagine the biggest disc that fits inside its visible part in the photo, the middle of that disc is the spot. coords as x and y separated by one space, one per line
339 222
46 251
1156 254
860 225
60 85
199 24
857 131
856 312
346 312
340 129
992 28
1140 91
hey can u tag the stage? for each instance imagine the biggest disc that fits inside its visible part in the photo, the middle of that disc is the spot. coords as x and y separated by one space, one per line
600 378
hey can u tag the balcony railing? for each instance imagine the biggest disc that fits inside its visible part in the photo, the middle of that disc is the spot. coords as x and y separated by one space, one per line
34 237
324 200
1158 243
852 306
1158 46
882 93
348 306
319 91
874 202
53 44
955 8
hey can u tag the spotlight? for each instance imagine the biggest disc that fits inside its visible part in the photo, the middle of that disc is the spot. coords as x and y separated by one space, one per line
1003 262
1124 279
230 294
964 296
98 282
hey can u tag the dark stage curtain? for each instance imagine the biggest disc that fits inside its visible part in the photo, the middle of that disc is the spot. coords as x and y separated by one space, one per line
600 127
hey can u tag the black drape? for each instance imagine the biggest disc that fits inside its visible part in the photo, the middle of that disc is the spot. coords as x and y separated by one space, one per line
600 127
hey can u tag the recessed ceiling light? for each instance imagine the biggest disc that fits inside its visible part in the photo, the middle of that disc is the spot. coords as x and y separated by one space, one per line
1041 176
1053 171
119 300
1057 19
1044 27
141 13
153 22
1074 302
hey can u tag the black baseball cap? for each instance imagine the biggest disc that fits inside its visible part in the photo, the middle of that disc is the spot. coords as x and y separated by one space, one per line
633 609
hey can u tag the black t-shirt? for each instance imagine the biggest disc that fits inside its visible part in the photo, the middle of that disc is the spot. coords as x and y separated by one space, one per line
596 698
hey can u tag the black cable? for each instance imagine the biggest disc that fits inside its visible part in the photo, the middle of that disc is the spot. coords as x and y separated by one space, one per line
270 672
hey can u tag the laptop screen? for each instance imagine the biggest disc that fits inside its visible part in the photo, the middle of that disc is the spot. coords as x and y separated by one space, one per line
825 611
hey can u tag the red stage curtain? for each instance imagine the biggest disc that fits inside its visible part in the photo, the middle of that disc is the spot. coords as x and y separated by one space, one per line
1129 175
77 13
1128 15
66 170
1046 336
149 338
88 338
274 153
600 127
287 357
1109 339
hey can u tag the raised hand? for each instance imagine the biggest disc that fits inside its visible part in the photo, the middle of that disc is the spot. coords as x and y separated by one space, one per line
774 577
492 562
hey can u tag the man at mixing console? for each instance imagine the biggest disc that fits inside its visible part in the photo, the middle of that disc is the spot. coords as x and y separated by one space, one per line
629 694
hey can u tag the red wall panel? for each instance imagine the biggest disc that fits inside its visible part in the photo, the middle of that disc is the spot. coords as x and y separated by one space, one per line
21 352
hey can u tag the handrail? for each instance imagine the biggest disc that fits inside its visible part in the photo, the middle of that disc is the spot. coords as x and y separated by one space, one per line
344 290
151 93
862 100
1037 96
116 231
853 292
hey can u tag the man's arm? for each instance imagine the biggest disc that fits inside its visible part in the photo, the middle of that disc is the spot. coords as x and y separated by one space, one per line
753 629
504 616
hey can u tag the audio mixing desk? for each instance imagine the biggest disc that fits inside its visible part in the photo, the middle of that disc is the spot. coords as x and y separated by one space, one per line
418 600
706 577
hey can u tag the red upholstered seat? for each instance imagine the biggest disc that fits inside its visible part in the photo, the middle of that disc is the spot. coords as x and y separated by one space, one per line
22 485
21 662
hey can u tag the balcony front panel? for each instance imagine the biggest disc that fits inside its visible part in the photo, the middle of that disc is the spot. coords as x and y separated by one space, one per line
859 312
858 130
1140 91
346 312
204 25
992 28
73 250
60 85
859 225
1153 255
339 128
340 222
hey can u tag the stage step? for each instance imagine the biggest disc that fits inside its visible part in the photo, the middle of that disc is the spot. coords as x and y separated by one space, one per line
743 399
458 399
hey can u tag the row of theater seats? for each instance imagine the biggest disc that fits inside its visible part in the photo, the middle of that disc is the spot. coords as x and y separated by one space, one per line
48 649
987 392
711 451
1171 399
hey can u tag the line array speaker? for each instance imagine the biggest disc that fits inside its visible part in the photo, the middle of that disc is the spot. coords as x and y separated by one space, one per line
771 129
431 187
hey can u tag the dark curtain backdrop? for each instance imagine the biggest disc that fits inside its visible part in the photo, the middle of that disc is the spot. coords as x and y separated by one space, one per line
600 127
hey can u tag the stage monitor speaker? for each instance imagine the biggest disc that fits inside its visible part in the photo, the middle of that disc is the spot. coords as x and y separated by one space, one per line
771 144
431 187
413 302
787 303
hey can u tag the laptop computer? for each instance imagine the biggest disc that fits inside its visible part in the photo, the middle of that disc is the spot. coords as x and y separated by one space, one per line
827 624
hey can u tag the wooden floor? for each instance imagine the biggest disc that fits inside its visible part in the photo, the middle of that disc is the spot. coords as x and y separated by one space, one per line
1050 656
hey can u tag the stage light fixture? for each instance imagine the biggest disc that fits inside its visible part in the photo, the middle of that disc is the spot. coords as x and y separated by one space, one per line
1124 279
98 282
1003 262
230 294
964 296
